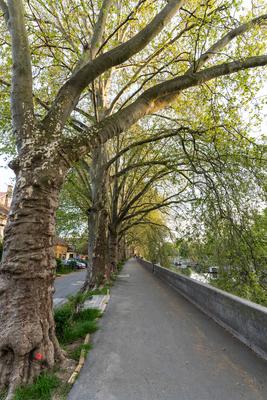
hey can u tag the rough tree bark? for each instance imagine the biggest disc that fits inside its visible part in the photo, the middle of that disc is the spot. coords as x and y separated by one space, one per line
112 250
27 272
97 219
27 269
27 331
113 227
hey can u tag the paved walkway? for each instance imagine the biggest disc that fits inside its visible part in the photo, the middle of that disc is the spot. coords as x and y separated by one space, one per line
155 345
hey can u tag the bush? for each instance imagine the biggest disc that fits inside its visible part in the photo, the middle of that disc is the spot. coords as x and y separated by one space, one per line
247 287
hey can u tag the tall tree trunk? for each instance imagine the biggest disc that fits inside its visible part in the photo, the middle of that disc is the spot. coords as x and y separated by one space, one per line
114 225
122 248
27 271
97 220
112 251
97 223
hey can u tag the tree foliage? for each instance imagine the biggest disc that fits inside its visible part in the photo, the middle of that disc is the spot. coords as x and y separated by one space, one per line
82 75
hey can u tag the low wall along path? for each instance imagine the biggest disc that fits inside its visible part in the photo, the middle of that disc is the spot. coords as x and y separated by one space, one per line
245 320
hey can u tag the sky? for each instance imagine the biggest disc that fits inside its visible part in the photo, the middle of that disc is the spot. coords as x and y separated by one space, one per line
6 174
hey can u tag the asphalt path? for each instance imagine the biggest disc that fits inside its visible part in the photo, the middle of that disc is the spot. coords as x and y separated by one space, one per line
155 345
69 284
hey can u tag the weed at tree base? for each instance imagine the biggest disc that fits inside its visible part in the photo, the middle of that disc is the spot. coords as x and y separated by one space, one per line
75 354
63 316
3 394
89 314
41 389
72 326
78 330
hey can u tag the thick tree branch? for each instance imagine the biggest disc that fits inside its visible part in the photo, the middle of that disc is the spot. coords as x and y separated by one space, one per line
135 76
90 53
69 94
128 18
100 27
21 94
153 100
163 94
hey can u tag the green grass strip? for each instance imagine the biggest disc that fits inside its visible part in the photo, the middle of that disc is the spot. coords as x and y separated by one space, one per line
41 389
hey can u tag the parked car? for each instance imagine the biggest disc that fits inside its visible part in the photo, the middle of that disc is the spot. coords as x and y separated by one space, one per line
83 263
75 264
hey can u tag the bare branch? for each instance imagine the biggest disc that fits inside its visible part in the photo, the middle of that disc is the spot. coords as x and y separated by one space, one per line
146 187
151 139
139 165
215 48
144 64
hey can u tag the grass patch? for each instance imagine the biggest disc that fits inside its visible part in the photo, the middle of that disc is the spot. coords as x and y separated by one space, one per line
120 265
78 330
185 271
78 298
41 389
75 354
113 276
71 326
81 297
89 314
63 316
3 394
99 291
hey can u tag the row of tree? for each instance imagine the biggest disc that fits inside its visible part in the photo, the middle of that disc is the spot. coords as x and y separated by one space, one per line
138 105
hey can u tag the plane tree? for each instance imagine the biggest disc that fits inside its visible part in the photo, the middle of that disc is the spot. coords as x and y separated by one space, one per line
49 139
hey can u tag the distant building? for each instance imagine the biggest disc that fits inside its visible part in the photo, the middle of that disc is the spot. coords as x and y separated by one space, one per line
5 202
64 250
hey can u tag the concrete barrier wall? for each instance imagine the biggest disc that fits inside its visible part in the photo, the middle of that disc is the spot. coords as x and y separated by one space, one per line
244 319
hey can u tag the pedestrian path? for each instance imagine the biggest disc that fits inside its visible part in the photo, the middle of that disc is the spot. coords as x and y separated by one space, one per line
155 345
